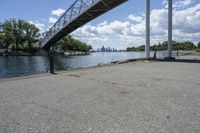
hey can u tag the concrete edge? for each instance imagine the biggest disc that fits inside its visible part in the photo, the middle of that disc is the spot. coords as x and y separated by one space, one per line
25 76
11 78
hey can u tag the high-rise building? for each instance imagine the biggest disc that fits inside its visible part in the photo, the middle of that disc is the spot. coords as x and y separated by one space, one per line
106 49
103 49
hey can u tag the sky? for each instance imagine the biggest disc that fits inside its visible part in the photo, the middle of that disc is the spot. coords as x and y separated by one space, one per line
119 28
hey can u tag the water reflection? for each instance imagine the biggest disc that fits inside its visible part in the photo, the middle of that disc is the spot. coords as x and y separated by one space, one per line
18 65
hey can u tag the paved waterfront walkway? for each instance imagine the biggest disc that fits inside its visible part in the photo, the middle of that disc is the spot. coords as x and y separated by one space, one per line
154 97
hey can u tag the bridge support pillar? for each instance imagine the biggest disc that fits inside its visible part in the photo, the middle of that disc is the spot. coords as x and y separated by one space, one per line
147 46
51 61
51 64
170 10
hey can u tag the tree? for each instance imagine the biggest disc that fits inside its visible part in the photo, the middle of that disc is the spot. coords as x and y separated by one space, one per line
20 32
198 45
17 31
188 45
31 34
7 36
71 44
139 48
1 40
176 46
65 43
13 30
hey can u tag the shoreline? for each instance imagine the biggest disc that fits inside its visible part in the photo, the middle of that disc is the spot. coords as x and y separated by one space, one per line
67 53
70 70
24 76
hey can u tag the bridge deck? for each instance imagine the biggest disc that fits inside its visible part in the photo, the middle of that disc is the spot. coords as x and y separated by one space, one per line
97 8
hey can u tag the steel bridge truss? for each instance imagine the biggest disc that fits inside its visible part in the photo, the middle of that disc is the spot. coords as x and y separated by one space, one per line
78 14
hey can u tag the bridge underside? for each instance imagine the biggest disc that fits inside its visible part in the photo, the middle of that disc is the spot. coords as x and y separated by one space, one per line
91 13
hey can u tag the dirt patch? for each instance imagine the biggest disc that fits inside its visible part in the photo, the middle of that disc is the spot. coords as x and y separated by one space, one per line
74 75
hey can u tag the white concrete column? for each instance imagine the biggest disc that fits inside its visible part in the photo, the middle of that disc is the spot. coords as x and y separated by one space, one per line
170 28
147 46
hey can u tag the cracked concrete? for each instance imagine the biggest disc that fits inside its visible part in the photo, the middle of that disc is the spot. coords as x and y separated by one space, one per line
153 97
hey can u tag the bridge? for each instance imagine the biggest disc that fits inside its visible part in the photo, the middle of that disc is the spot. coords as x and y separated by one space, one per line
83 11
78 14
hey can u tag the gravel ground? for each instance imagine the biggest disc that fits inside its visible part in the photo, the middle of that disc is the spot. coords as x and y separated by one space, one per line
140 97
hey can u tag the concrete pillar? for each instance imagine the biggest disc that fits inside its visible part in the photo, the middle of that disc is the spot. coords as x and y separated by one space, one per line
170 28
147 46
51 61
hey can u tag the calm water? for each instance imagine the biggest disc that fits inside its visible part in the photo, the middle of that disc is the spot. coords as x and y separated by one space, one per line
24 65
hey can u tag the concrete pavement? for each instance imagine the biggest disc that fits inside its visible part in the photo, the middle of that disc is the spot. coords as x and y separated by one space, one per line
154 97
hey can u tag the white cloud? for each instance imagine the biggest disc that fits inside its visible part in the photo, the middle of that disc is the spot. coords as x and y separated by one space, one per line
55 14
58 12
103 23
135 18
187 20
182 3
52 20
39 25
186 27
178 4
115 27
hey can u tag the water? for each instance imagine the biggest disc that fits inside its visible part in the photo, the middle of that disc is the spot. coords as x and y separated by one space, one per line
27 65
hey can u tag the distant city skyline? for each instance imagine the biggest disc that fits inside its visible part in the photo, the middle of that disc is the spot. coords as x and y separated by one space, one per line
121 28
106 49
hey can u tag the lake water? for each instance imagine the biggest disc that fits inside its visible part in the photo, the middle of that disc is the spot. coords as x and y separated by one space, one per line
27 65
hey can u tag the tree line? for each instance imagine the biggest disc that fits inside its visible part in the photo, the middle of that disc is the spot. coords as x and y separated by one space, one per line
163 46
19 34
23 36
68 43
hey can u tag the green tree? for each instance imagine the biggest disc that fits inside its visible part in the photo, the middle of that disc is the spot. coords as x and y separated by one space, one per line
139 48
6 36
70 44
1 39
131 49
176 46
17 32
65 43
198 45
20 32
31 34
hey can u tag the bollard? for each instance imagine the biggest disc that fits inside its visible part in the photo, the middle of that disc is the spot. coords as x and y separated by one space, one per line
51 63
154 57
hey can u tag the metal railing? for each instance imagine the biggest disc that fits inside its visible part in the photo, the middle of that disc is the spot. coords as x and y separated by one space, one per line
75 10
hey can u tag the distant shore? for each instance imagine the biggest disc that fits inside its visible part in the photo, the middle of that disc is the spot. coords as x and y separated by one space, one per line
74 53
44 53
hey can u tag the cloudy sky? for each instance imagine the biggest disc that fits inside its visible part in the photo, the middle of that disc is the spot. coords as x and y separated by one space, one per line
120 28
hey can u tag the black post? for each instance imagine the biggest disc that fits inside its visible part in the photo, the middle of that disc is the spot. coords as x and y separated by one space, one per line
51 62
154 57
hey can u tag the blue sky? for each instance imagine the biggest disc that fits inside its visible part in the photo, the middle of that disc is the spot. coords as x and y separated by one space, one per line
41 9
129 16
